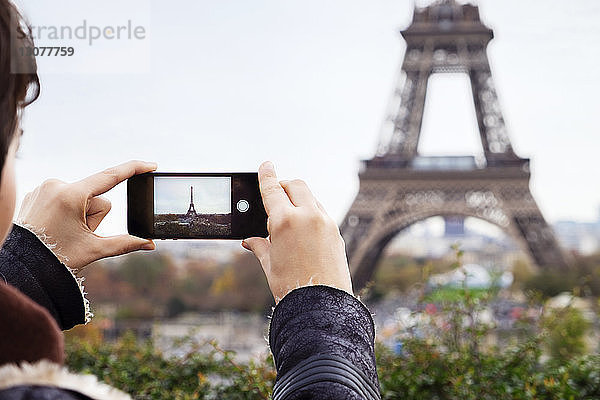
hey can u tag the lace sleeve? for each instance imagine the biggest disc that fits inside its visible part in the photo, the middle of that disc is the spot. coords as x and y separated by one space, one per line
29 265
322 340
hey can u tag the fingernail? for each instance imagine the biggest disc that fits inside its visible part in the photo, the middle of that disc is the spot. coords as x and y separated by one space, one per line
269 164
152 164
148 246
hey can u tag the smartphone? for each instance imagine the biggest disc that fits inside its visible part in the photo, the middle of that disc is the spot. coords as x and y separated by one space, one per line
163 205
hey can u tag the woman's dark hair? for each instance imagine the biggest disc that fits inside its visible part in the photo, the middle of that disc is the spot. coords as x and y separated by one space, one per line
19 82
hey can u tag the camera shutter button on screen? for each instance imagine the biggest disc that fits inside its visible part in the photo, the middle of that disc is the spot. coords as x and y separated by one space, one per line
243 206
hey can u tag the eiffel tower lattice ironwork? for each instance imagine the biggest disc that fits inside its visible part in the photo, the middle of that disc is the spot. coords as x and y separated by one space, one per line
191 211
398 187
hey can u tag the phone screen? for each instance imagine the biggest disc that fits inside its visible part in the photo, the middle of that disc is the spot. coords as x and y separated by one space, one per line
163 205
192 206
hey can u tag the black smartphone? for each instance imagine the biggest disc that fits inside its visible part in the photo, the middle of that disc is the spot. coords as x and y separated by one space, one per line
164 205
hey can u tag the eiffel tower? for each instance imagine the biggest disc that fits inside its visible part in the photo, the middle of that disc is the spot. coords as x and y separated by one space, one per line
191 210
398 187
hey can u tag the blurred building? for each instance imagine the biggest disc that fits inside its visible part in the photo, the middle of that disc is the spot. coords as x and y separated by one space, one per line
221 251
581 237
490 249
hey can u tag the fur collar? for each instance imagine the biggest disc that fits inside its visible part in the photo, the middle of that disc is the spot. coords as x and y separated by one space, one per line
46 373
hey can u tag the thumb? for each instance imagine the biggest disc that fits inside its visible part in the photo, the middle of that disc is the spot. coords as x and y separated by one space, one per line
259 246
123 244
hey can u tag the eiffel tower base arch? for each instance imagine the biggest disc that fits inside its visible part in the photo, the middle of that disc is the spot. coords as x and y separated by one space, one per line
390 200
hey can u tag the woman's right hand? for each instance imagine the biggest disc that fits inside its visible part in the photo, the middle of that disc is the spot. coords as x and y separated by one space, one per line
67 215
304 245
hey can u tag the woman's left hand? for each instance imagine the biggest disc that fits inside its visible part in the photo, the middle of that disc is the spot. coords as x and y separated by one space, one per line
66 215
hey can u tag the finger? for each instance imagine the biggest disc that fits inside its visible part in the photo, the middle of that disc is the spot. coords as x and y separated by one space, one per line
104 181
259 246
98 207
273 195
299 193
123 244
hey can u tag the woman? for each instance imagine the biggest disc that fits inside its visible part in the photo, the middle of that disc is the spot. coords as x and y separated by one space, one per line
320 335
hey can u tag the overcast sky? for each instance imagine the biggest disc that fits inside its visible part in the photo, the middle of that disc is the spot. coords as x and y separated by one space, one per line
224 85
211 195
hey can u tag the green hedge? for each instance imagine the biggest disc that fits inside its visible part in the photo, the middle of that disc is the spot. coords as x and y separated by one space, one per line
424 371
205 371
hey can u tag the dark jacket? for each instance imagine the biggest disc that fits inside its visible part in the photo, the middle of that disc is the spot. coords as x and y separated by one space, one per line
322 339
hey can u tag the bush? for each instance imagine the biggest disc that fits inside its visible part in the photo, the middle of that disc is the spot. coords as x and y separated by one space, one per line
583 276
450 357
551 283
427 372
566 333
424 371
204 372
